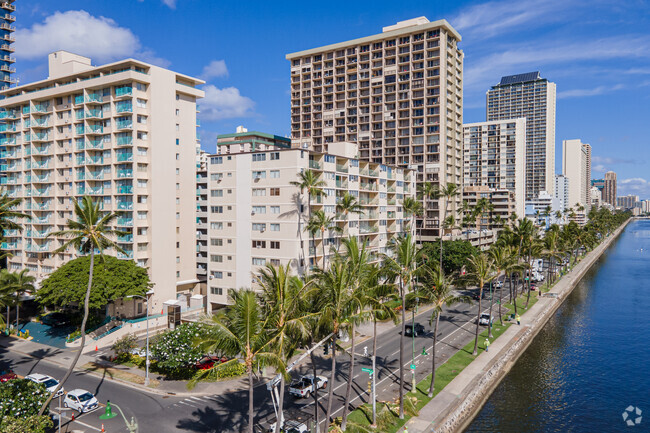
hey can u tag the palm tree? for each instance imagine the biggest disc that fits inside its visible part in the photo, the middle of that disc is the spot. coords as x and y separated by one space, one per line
481 271
320 222
334 306
311 182
89 233
412 208
243 334
282 294
8 214
438 292
446 192
502 257
21 283
348 204
403 263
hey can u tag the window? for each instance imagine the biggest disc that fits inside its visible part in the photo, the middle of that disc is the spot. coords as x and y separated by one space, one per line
259 244
216 160
216 242
259 209
142 199
178 111
217 274
275 245
259 227
259 157
275 174
330 158
275 227
275 262
259 261
143 87
274 191
141 119
142 168
141 103
216 193
178 186
142 215
142 247
216 258
216 176
259 192
178 127
216 209
142 151
178 142
142 231
259 175
178 259
216 226
142 135
216 291
178 215
178 156
275 209
275 156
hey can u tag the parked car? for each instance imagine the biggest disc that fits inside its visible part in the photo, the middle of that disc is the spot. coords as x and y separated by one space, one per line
486 294
49 382
498 284
303 387
291 426
485 319
6 376
413 330
208 361
80 400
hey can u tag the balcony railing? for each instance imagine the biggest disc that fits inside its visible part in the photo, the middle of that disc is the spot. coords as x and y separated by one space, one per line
125 156
123 91
125 222
124 173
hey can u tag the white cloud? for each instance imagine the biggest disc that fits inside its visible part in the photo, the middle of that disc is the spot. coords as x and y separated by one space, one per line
609 160
635 185
79 32
170 3
216 68
578 93
224 103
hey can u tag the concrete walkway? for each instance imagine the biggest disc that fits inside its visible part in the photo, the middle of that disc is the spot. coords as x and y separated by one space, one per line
462 398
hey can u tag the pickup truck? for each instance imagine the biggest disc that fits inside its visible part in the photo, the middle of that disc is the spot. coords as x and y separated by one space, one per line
303 387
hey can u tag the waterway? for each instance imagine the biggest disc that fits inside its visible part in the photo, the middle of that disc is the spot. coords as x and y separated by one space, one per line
591 361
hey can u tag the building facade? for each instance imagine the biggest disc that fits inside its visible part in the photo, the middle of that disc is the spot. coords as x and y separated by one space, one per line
7 28
123 133
562 191
483 231
494 155
576 166
627 201
398 95
596 198
609 192
256 216
543 209
532 97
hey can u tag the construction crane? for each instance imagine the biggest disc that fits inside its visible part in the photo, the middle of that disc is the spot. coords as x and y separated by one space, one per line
272 386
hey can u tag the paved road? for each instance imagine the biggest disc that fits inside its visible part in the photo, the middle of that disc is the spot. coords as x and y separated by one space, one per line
227 412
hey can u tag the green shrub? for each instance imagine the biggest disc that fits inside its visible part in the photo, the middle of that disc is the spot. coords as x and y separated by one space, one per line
125 344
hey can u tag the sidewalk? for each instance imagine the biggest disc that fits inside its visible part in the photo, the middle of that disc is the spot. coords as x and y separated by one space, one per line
458 402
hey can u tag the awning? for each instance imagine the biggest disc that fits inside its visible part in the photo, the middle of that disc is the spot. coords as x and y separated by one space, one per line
182 283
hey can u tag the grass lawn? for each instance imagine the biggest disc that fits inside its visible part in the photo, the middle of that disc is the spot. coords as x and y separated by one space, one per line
445 373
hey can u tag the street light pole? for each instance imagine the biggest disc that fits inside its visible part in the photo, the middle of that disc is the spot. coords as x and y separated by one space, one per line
146 363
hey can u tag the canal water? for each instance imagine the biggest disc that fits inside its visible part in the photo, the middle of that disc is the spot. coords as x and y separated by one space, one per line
591 361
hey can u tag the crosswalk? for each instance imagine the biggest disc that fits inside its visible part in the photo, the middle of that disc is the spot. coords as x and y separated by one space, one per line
198 401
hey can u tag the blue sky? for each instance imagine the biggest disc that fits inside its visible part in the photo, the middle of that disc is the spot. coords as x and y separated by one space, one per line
598 53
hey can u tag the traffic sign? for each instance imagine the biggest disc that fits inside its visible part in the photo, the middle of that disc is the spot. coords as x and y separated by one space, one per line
412 366
367 370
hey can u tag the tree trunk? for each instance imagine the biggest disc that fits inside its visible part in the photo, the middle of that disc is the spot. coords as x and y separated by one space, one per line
374 356
478 316
501 301
322 240
348 390
330 395
251 415
401 351
530 277
281 404
491 303
316 410
83 337
433 356
300 229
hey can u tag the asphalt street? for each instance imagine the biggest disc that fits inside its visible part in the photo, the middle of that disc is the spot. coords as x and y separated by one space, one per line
228 412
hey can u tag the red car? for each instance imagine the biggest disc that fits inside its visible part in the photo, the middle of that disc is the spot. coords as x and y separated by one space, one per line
7 376
207 362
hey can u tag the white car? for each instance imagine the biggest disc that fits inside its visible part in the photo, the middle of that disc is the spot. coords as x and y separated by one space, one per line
303 387
80 400
498 284
485 319
49 382
291 426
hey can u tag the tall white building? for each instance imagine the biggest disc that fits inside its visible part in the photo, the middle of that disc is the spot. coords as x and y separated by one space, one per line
530 96
398 95
123 133
494 155
576 166
562 191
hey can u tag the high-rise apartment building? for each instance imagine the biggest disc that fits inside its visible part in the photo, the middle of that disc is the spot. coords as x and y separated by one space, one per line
398 95
6 29
609 192
530 96
562 191
576 166
123 133
256 216
494 157
627 201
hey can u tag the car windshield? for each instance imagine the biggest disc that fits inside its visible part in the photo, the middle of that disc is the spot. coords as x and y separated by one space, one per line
49 383
85 396
485 316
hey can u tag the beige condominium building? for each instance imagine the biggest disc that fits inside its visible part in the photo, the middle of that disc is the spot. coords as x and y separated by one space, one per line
123 133
494 157
530 96
609 190
576 167
257 217
398 95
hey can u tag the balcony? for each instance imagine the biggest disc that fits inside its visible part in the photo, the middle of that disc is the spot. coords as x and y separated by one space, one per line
95 144
95 191
125 189
41 192
81 190
40 136
8 127
95 175
125 205
125 156
94 98
125 221
95 160
124 124
125 255
10 245
79 129
123 91
41 179
41 108
9 141
8 6
124 107
39 234
42 150
42 165
125 238
123 140
38 248
122 173
95 129
94 113
314 164
41 220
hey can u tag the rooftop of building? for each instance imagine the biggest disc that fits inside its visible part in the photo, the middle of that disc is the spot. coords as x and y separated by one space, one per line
244 134
67 68
527 77
401 28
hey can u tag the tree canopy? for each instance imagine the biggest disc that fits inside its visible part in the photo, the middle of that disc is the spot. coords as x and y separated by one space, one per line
454 254
112 279
20 400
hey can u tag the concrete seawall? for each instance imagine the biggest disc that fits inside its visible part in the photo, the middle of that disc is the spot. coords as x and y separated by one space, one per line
461 400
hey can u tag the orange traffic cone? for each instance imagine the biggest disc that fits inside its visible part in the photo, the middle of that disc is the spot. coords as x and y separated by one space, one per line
96 349
103 428
72 416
